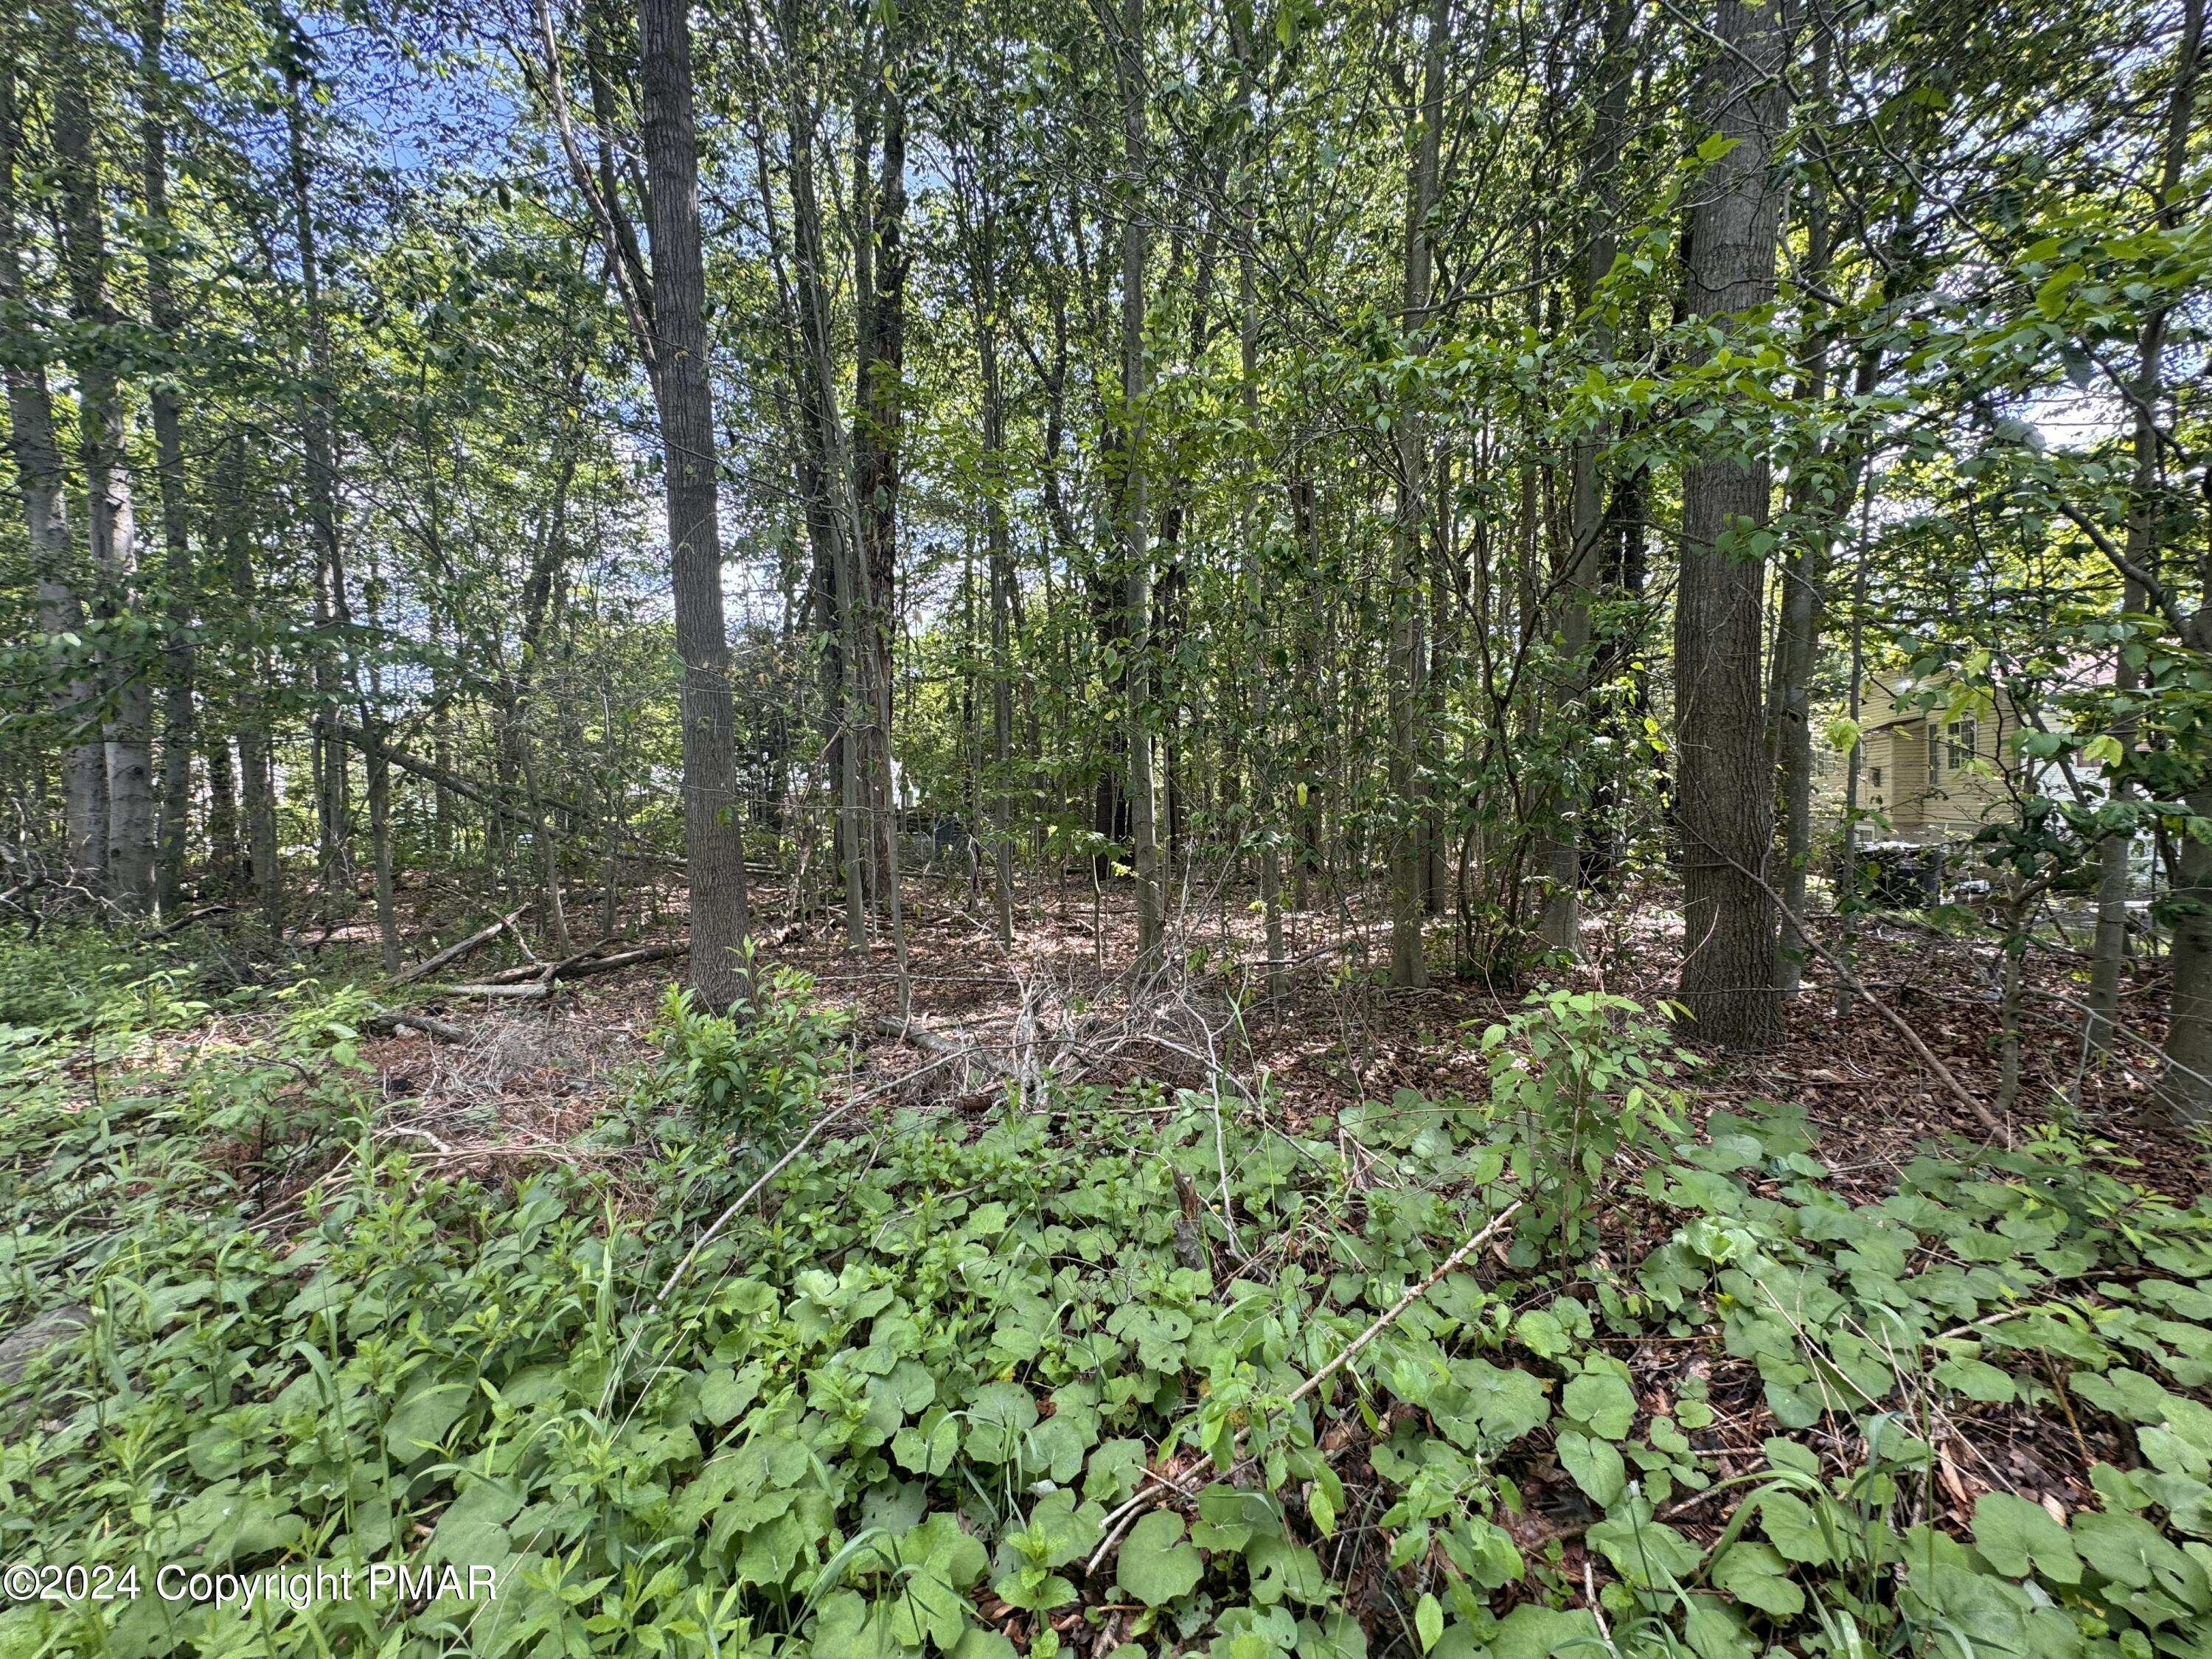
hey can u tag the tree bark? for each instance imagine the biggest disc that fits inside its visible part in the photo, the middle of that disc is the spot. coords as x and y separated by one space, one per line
2185 1088
714 847
880 391
103 437
57 582
1258 596
2109 949
175 803
1408 739
332 812
1136 552
257 783
1724 797
1560 849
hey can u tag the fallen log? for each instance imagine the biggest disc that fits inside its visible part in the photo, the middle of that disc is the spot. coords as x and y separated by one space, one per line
400 1023
536 989
930 1042
620 959
454 952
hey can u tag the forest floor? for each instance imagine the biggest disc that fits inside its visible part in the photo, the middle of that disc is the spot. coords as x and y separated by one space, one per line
534 1074
2025 1286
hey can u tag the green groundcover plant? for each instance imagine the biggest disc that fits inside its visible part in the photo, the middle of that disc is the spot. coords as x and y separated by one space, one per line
950 1380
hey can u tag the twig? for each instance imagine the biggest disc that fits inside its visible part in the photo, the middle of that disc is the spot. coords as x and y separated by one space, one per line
1404 1303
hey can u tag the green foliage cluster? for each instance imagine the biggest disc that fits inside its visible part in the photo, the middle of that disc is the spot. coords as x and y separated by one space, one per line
929 1371
756 1073
86 978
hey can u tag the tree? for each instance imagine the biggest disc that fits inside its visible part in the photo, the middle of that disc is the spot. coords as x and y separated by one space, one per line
713 841
1723 800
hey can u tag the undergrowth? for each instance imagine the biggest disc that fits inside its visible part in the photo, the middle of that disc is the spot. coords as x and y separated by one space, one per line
951 1385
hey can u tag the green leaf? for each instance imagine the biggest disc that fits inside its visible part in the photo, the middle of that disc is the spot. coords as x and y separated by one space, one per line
1602 1401
1595 1466
726 1393
2126 1394
1155 1564
420 1421
2015 1537
1428 1621
1977 1379
1645 1552
1542 1334
1280 1568
1788 1521
1717 1631
1756 1575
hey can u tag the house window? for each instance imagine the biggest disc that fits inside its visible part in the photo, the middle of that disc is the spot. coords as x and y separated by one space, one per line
1877 777
1963 736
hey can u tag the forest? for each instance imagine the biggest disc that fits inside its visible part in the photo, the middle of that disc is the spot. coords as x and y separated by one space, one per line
1106 828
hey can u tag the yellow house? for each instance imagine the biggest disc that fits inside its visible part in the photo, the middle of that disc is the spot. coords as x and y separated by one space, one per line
1935 775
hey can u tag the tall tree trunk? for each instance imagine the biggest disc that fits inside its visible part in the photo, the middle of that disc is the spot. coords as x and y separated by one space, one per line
879 387
175 805
221 815
835 531
1256 643
1409 739
2185 1087
713 839
57 581
103 436
1805 588
1136 552
1562 838
1000 554
2110 948
333 863
256 782
1724 797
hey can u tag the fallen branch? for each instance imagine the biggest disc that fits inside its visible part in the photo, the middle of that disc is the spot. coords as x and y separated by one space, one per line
922 1038
619 960
1404 1303
546 971
543 979
1990 1120
454 952
167 929
400 1023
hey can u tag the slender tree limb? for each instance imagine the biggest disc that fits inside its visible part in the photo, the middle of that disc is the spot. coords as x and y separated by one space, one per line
460 948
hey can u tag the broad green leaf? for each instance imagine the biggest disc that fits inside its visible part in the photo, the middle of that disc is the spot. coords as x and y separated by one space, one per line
1789 1523
2015 1537
1601 1402
1595 1466
1428 1621
1155 1564
1756 1575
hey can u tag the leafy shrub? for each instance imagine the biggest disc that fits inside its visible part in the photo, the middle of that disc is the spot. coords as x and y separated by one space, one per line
754 1072
74 978
1578 1075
